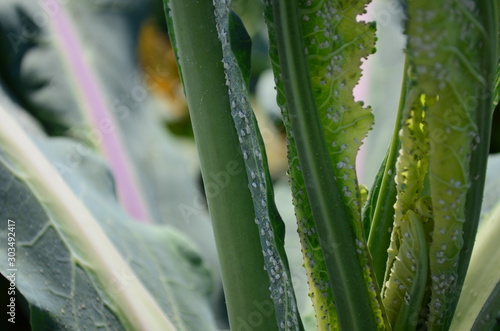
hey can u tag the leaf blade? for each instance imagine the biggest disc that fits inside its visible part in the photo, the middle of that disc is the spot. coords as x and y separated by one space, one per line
74 220
318 172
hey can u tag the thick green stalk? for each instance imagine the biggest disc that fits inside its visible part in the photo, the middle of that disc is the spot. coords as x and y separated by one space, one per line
199 52
383 216
345 273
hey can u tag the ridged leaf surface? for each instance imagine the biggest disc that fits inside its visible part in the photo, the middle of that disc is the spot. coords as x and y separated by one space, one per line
335 43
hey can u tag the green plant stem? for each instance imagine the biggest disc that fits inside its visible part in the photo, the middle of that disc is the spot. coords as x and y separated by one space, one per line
383 217
345 272
199 51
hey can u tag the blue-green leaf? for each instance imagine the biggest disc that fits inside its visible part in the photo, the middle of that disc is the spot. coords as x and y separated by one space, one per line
81 261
